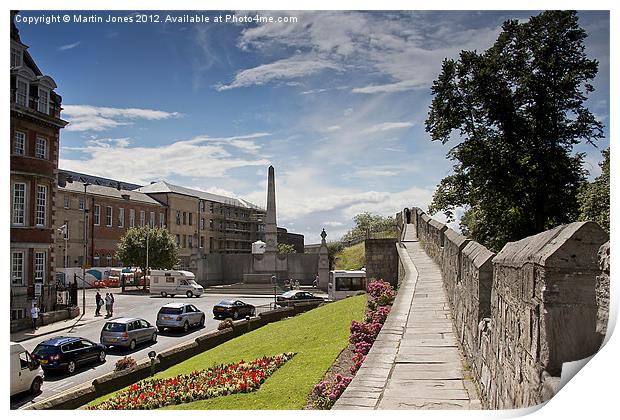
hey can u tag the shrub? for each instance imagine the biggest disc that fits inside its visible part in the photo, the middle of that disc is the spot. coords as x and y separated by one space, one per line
379 315
198 385
357 359
227 323
125 363
363 332
380 293
326 393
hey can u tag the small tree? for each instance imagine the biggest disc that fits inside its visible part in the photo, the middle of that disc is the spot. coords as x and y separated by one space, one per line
284 249
333 248
162 248
594 197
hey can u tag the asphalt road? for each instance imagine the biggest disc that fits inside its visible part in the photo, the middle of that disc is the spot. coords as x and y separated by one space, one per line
139 306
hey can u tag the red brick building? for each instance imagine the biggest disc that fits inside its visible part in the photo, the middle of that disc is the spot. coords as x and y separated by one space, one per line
35 130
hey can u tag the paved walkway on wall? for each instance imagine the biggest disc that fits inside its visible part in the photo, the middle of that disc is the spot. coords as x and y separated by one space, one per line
415 363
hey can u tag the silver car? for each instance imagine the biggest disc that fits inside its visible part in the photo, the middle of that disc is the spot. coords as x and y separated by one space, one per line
179 315
127 332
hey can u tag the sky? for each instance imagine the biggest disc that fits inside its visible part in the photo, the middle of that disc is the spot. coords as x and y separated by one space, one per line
336 102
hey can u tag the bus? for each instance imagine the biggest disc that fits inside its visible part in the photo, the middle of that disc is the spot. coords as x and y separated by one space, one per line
345 283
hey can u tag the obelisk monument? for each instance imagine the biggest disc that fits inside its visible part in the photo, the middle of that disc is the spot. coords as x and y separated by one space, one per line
271 229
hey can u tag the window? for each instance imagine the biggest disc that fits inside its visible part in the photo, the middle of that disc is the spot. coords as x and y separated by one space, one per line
41 205
109 260
142 217
202 241
19 204
162 220
21 94
178 240
17 314
202 206
40 150
108 216
184 218
19 143
66 230
39 266
190 219
16 57
184 241
190 241
44 101
178 217
132 218
96 260
81 205
152 219
67 202
202 223
121 217
17 268
211 223
96 215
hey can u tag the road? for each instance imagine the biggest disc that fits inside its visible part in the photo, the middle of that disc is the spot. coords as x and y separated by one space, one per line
139 306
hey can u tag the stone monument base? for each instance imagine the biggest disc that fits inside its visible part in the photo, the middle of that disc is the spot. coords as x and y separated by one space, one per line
258 278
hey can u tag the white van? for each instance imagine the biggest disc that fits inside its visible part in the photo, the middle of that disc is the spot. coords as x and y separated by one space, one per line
174 282
26 372
345 283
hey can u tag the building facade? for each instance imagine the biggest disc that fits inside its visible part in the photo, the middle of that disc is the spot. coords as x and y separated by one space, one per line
205 223
35 130
110 212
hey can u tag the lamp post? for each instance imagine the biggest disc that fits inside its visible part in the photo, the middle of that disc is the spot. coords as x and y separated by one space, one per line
147 256
86 184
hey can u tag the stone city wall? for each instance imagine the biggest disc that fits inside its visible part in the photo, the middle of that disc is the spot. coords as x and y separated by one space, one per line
381 259
524 312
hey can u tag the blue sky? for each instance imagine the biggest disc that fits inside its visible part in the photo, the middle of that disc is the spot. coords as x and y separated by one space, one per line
336 102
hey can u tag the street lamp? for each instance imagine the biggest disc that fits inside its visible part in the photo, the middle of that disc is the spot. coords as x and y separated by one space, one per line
86 184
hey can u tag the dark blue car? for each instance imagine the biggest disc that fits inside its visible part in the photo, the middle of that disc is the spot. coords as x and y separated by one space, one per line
66 353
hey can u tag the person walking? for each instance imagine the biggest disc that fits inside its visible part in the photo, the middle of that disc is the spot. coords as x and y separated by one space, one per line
98 303
34 314
108 305
315 283
111 304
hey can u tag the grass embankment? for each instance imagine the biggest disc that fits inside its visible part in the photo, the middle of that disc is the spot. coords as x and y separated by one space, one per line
351 258
317 337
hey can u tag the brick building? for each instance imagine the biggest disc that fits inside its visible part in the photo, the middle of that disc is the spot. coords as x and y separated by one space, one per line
110 213
206 223
34 130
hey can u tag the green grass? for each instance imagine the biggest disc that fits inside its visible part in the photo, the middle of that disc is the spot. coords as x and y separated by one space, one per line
351 258
317 336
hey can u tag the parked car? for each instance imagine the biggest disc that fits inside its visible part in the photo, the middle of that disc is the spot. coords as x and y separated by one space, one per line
233 309
66 353
179 315
292 296
26 371
127 332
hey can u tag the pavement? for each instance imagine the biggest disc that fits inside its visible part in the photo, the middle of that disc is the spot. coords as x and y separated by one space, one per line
416 362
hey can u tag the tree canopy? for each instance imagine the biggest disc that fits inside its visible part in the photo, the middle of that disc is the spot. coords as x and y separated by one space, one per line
594 196
284 249
367 224
519 110
163 252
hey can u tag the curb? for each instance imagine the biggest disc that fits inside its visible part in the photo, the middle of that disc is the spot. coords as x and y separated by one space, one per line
75 324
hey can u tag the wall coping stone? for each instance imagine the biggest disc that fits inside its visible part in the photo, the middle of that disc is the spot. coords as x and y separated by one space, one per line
456 238
477 253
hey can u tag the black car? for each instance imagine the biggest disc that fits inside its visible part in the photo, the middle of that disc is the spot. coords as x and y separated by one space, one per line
290 297
66 353
234 309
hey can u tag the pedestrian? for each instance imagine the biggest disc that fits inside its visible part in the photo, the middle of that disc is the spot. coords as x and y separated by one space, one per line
108 305
292 283
297 285
98 303
111 304
34 314
315 283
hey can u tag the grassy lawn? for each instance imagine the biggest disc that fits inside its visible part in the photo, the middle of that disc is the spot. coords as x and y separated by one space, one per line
351 258
317 337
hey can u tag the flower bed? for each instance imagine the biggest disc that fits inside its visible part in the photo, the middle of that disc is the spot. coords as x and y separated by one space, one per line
198 385
381 295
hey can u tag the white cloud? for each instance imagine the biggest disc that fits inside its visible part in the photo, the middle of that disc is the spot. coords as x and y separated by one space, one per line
334 224
288 68
93 118
68 46
201 156
388 126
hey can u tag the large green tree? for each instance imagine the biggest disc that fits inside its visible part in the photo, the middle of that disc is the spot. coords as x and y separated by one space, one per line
519 110
367 224
162 248
594 196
